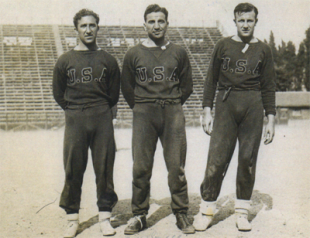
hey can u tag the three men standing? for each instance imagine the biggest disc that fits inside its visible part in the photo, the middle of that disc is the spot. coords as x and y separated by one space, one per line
156 81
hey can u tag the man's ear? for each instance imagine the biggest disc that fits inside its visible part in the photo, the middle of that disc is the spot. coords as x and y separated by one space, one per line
256 21
144 25
235 21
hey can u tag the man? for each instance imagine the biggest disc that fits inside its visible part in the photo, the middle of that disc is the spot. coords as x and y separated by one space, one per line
242 66
156 81
86 85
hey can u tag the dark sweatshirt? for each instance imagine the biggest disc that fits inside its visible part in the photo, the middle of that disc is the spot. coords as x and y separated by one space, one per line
156 73
253 69
86 77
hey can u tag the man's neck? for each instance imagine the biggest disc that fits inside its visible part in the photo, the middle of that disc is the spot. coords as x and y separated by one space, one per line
83 47
151 43
251 39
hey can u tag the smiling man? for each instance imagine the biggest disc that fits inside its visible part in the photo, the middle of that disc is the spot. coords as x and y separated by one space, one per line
156 81
86 84
242 69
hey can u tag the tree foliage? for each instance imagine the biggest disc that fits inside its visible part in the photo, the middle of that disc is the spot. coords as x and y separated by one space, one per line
293 70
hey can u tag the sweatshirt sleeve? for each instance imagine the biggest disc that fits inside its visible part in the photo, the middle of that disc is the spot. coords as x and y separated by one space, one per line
59 83
268 85
185 77
128 79
114 84
212 78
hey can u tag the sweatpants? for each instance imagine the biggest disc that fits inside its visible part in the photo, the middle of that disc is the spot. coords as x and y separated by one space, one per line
150 122
88 128
240 118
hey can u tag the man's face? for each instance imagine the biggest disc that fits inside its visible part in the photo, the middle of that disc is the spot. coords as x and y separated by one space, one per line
87 29
156 25
245 22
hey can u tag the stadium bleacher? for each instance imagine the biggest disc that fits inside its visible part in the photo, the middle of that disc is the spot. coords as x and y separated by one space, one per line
29 53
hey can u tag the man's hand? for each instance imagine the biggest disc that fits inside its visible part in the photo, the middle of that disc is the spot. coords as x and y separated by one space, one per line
207 120
114 121
269 130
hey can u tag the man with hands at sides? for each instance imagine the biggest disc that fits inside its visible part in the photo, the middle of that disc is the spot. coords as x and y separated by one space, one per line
242 69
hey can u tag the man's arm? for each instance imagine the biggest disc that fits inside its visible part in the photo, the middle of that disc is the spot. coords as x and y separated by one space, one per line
212 78
268 84
186 79
59 85
268 88
209 91
114 84
128 81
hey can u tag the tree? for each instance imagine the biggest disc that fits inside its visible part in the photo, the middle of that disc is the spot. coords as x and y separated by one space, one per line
307 59
301 63
272 45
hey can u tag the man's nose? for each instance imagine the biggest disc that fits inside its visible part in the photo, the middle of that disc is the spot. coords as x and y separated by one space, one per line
88 30
156 26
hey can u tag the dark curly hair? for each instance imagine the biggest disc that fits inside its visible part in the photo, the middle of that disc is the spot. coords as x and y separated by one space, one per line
155 8
82 13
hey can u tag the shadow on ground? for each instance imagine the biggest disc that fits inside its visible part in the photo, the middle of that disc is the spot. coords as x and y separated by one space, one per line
225 205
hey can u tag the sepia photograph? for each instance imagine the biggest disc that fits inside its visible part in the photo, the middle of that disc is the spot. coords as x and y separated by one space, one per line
155 119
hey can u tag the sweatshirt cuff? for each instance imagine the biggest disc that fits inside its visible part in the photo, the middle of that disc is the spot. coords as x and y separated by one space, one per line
207 103
270 111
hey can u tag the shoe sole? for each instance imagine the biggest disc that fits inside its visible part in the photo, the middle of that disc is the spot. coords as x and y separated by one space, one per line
243 230
132 232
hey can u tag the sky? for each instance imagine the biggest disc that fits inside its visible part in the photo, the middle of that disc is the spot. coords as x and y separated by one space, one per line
288 19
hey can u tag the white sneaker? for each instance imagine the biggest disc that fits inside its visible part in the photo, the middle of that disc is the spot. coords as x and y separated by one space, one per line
72 226
242 222
202 221
105 224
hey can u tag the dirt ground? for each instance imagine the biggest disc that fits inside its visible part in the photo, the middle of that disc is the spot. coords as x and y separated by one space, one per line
32 176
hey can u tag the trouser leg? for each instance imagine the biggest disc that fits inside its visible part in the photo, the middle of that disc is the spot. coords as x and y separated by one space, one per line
75 159
103 154
249 136
144 140
173 140
222 145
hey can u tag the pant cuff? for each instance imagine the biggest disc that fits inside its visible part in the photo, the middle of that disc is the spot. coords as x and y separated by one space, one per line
71 211
105 209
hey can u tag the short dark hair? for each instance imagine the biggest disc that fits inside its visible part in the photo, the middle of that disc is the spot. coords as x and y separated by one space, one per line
155 8
245 7
82 13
